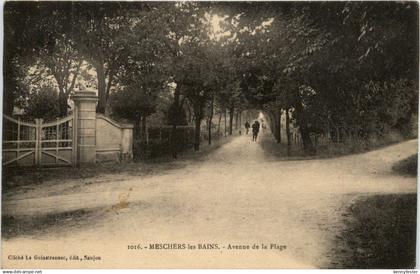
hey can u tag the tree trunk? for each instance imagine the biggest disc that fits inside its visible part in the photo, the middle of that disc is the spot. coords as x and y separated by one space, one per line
308 147
288 132
174 135
108 86
189 119
197 132
137 129
218 125
273 125
136 138
306 139
62 103
225 122
8 103
231 113
210 118
100 72
10 83
240 121
279 127
143 127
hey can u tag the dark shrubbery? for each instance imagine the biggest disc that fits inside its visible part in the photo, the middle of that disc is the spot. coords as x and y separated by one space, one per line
380 233
407 166
42 103
159 142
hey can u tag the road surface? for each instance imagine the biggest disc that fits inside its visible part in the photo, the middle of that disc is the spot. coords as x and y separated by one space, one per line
238 195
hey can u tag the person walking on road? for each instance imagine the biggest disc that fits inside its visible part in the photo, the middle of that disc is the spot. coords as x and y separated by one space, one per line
247 126
255 130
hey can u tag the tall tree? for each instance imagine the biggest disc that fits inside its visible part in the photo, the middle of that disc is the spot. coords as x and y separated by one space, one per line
102 30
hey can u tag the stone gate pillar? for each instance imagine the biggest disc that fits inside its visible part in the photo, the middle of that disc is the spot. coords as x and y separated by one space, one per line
85 126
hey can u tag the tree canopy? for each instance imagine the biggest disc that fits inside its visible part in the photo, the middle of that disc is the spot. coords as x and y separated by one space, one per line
339 68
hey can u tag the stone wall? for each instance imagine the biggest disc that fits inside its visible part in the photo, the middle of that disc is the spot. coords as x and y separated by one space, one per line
114 141
99 139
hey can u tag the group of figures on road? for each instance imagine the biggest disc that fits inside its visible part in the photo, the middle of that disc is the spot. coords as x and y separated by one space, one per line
255 129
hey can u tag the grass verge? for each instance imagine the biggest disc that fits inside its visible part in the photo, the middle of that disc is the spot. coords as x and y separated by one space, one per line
407 166
330 150
35 226
380 233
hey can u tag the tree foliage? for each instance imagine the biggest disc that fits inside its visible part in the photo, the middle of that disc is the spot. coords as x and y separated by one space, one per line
42 104
342 69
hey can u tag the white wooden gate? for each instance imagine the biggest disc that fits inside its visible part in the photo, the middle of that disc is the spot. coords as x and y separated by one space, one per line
39 144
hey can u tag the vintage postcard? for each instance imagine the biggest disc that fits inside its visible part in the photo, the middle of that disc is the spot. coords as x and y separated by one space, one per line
209 134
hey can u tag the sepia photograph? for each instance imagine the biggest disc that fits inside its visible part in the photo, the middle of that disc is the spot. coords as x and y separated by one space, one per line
207 134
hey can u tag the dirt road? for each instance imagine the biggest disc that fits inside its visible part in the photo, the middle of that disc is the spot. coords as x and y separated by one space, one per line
238 195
